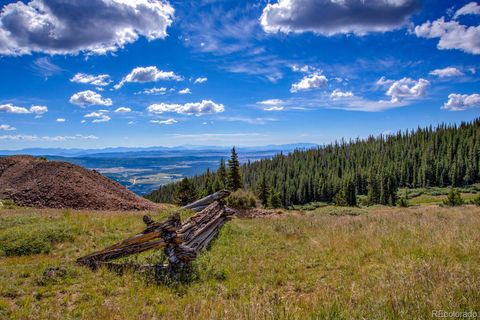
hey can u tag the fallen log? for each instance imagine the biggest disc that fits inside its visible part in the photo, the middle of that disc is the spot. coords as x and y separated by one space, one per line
219 195
181 241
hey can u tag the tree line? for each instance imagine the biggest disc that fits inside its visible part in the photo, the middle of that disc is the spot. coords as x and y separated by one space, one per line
448 155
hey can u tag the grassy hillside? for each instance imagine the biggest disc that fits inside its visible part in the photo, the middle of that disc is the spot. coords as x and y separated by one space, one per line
337 263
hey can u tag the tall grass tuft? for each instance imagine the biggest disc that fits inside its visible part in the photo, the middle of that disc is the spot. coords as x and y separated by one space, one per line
33 239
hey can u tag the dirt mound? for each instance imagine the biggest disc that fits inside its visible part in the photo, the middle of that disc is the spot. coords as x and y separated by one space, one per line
33 182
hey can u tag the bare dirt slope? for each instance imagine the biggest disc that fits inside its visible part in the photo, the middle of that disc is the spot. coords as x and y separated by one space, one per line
32 182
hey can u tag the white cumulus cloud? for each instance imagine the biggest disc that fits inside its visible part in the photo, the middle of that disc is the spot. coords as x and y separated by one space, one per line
148 74
10 108
274 108
70 27
165 122
470 8
451 35
6 127
185 91
192 108
339 94
153 91
407 88
60 120
272 104
384 81
446 72
309 82
100 80
461 102
200 80
98 116
330 17
123 110
89 98
38 109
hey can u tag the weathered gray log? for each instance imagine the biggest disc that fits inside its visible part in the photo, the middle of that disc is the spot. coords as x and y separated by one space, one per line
136 244
181 242
219 195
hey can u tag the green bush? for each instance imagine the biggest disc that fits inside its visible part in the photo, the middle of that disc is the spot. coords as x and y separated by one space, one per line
274 199
242 199
454 199
309 206
7 204
403 200
33 239
476 200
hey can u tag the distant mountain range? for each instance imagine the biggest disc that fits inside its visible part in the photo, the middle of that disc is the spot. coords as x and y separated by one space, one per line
76 152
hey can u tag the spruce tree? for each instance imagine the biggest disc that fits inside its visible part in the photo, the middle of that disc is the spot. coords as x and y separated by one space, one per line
185 193
339 198
222 174
350 193
373 189
263 192
234 176
274 200
454 198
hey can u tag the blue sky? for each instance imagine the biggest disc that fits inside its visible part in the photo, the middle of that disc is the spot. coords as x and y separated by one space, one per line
105 73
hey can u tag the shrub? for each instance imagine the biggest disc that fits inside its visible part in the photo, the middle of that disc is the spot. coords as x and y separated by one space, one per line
476 200
274 199
7 204
363 200
403 201
309 206
242 199
454 198
22 241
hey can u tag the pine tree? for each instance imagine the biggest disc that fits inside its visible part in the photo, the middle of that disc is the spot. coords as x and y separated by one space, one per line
350 193
339 198
185 193
403 201
373 189
234 176
274 200
222 174
263 192
208 187
454 198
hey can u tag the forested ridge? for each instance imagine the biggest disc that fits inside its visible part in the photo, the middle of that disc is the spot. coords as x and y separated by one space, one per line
448 155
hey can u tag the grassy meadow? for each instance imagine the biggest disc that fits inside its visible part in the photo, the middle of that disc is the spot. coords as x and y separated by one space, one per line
328 263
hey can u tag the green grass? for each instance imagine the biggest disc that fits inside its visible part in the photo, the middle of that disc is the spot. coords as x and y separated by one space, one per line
330 263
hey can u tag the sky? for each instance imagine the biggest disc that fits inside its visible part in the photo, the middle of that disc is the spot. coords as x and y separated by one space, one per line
136 73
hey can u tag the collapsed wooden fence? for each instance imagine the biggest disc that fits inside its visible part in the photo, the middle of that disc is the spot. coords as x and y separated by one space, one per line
181 241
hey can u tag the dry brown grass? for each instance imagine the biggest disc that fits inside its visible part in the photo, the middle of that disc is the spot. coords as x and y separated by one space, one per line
384 263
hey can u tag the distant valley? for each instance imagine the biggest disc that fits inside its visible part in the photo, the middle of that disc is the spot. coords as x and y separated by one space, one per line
143 170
